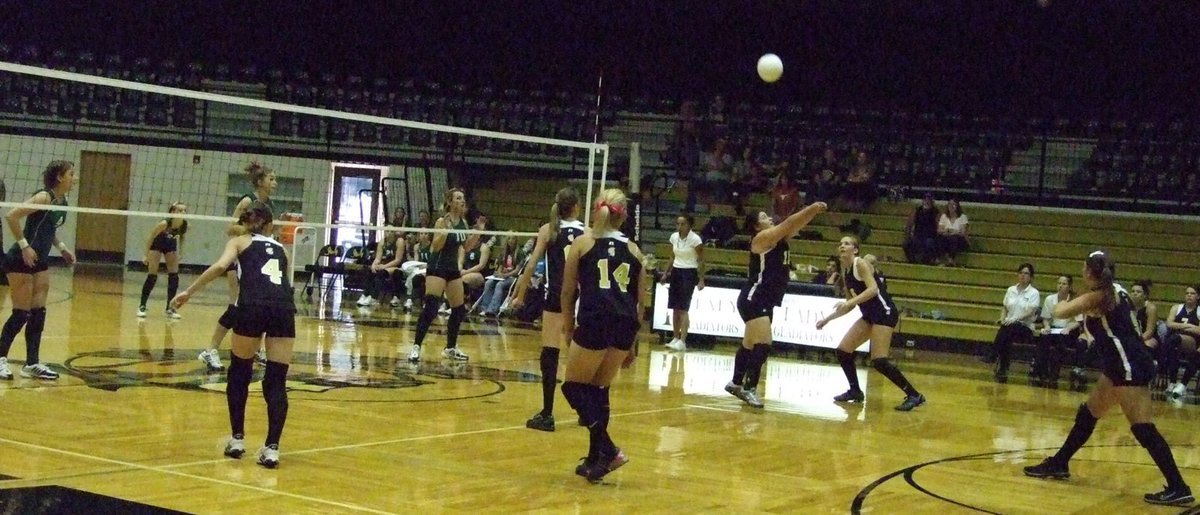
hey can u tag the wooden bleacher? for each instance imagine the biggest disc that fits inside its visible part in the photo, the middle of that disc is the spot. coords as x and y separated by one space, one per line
1158 248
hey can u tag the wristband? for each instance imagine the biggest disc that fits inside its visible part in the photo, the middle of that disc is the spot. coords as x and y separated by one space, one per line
23 243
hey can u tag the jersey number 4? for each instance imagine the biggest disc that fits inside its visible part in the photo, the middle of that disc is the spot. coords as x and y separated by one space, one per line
272 271
620 275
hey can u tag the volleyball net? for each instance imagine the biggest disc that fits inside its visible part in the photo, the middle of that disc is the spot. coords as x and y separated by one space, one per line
346 154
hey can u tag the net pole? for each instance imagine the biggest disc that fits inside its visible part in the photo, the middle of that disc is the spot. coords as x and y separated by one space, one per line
591 176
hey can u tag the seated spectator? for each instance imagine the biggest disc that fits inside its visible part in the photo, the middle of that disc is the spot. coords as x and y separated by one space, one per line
496 286
714 177
476 260
952 232
749 176
1154 329
860 190
1056 336
1183 326
822 186
389 253
920 242
1017 316
785 198
830 275
413 271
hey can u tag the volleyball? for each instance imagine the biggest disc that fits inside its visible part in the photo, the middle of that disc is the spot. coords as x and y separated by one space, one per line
770 67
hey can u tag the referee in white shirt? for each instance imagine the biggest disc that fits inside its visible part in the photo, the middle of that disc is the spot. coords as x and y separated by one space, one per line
684 276
1020 310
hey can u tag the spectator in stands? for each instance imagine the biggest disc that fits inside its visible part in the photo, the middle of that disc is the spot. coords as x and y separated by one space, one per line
383 278
717 167
952 232
1017 316
1154 330
829 275
1183 326
860 189
496 286
477 257
716 110
785 198
413 271
1056 336
920 242
749 176
822 186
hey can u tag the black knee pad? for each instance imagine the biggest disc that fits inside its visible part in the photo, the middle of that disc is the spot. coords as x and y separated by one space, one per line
1173 341
19 316
172 280
574 394
151 280
459 313
37 320
229 317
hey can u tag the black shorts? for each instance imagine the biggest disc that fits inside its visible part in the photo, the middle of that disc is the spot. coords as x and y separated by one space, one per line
257 321
165 246
446 274
16 265
879 316
553 300
757 308
604 332
1140 372
682 286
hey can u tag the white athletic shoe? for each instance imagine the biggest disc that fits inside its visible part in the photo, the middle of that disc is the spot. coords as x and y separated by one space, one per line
408 304
211 359
365 301
141 312
454 354
235 448
5 373
1170 388
677 345
39 371
173 315
414 355
445 310
1179 390
268 457
395 303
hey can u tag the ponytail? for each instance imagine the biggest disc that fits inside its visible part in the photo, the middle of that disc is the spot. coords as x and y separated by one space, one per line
609 211
564 204
1103 270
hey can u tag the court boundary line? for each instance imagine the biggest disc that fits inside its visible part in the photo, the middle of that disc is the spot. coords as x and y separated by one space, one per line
163 470
416 438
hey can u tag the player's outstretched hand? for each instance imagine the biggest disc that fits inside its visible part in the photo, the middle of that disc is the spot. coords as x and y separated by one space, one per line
180 299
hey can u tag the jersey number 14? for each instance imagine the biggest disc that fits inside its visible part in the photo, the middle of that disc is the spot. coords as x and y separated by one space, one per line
620 275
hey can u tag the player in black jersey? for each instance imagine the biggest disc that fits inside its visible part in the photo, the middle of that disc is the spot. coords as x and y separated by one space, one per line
266 312
605 268
866 288
767 280
166 241
27 265
1180 342
444 276
553 241
263 181
1127 370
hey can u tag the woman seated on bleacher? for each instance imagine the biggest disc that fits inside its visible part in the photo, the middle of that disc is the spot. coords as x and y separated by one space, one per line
1017 315
383 281
1056 336
477 258
413 270
952 232
496 286
1183 327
